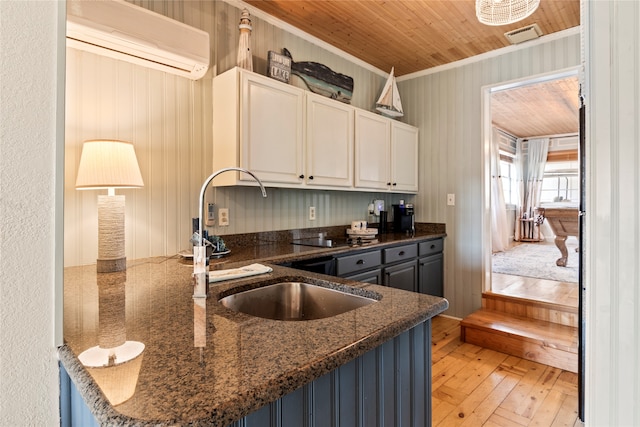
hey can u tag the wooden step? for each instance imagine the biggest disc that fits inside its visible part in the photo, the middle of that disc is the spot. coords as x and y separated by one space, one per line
532 339
534 309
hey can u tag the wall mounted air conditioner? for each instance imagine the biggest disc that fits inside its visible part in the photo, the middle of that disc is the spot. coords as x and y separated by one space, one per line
132 33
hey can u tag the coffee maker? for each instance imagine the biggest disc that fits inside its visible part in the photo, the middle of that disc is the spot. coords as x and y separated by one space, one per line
403 219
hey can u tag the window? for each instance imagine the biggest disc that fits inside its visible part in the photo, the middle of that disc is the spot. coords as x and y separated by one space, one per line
561 182
508 175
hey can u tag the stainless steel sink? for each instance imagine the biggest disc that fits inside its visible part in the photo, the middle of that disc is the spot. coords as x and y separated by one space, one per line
294 301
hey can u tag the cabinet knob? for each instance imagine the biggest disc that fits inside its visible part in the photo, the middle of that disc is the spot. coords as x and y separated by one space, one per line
394 184
433 246
301 176
311 177
401 253
388 183
360 262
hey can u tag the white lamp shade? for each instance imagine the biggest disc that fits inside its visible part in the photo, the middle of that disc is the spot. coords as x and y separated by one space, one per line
107 163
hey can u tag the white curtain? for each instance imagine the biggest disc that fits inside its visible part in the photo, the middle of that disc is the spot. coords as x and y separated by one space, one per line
499 224
531 165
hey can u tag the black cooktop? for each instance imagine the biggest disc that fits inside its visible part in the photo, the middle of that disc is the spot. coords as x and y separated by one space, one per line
331 243
321 242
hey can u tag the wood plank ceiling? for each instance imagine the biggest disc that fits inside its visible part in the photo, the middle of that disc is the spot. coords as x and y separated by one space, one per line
415 35
542 109
410 35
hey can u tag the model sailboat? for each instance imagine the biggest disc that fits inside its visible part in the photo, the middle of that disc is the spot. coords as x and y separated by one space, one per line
389 102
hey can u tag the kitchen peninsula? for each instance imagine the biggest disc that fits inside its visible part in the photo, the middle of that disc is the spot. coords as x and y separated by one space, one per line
203 364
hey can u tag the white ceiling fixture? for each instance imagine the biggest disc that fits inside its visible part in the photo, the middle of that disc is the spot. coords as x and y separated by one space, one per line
503 12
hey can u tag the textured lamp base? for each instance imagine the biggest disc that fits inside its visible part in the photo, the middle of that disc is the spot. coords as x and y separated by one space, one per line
112 331
111 256
111 265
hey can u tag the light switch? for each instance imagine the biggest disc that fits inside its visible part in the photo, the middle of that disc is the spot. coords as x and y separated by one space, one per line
451 199
211 215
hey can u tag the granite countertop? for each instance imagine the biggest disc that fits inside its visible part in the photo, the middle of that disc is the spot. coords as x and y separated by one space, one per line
276 247
204 364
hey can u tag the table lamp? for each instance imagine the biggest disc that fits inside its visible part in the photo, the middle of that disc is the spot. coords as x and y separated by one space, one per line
110 164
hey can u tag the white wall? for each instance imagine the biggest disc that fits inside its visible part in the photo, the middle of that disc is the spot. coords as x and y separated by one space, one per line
612 278
447 107
30 225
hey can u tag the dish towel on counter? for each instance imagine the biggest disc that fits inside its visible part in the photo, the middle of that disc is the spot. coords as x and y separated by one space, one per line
236 273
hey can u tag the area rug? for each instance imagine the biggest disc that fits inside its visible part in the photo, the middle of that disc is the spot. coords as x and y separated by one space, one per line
538 260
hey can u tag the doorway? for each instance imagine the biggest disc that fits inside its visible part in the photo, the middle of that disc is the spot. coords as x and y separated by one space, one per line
512 91
520 114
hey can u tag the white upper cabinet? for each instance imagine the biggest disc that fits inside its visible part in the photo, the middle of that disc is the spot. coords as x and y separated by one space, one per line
386 154
292 138
258 124
329 148
404 157
272 129
372 144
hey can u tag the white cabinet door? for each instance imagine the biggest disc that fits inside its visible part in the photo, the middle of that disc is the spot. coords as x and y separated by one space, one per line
372 151
404 157
386 154
329 142
271 129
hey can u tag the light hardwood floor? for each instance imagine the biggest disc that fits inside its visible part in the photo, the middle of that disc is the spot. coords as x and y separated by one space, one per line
474 386
563 293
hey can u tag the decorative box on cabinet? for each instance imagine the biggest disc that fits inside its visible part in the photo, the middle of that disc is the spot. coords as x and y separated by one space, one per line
386 154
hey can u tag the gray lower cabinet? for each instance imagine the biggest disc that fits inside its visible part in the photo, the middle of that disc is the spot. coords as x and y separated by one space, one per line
431 267
74 411
400 267
402 276
387 386
364 266
373 276
412 267
430 272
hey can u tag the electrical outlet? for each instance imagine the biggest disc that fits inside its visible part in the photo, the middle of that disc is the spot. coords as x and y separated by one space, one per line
211 215
312 213
223 217
451 199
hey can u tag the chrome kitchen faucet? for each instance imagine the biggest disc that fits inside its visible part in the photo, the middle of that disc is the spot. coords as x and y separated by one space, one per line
199 278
